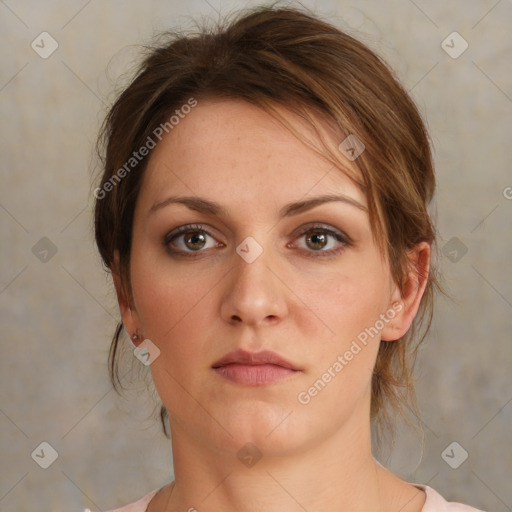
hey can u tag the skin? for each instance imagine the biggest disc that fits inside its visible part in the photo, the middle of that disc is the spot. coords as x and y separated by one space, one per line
307 309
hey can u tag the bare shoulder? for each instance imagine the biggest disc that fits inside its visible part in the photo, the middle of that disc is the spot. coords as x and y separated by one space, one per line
397 494
159 499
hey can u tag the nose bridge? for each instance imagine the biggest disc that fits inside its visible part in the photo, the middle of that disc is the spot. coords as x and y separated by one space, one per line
254 292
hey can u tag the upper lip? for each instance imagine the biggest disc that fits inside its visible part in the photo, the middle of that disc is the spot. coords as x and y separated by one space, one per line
253 358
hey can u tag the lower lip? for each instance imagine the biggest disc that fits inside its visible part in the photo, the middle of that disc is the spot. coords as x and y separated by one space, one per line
254 375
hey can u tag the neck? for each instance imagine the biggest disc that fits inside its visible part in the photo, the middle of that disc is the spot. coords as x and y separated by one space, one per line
319 478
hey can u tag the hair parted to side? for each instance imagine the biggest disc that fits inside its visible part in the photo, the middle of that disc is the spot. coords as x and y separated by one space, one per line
272 56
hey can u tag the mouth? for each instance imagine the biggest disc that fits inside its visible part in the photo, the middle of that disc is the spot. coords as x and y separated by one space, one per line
254 368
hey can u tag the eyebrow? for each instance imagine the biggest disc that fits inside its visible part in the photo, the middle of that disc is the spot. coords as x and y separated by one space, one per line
211 207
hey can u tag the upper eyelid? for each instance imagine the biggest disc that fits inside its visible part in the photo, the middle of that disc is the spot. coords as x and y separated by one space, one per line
181 230
206 228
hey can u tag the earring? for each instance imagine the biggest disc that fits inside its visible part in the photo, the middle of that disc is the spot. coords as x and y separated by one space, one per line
135 336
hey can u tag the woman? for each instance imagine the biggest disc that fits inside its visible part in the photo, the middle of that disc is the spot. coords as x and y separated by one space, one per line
263 210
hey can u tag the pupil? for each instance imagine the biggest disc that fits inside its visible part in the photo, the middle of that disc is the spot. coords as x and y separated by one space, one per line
316 237
194 240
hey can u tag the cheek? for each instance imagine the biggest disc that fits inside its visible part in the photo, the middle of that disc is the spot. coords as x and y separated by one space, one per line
178 309
343 362
350 304
353 298
166 295
176 314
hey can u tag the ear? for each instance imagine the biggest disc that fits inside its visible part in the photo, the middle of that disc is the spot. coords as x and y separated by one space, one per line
129 315
406 304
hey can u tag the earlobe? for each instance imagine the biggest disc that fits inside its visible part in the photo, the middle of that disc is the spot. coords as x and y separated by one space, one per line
128 313
410 298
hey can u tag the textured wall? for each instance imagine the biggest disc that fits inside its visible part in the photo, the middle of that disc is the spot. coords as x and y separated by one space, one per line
57 306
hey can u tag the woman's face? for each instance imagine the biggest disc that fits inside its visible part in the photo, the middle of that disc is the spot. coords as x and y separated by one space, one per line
260 267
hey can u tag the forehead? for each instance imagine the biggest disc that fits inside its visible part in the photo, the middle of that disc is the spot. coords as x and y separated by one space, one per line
237 153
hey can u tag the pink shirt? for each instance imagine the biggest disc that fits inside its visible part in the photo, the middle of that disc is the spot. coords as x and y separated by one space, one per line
434 503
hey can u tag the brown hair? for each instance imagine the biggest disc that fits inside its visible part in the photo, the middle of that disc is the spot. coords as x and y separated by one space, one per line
268 56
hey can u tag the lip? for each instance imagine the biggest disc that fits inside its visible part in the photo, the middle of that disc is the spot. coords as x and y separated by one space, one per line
254 368
254 358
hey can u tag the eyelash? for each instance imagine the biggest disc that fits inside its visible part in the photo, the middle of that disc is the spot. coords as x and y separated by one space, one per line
191 228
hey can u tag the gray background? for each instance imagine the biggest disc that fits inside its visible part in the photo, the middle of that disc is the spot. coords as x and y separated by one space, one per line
58 310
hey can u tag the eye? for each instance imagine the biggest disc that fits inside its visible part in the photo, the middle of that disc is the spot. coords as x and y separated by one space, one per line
191 238
321 241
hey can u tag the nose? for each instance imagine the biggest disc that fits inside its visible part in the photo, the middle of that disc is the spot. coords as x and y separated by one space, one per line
255 294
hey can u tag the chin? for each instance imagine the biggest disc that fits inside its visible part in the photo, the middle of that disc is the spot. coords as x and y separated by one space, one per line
250 441
272 431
